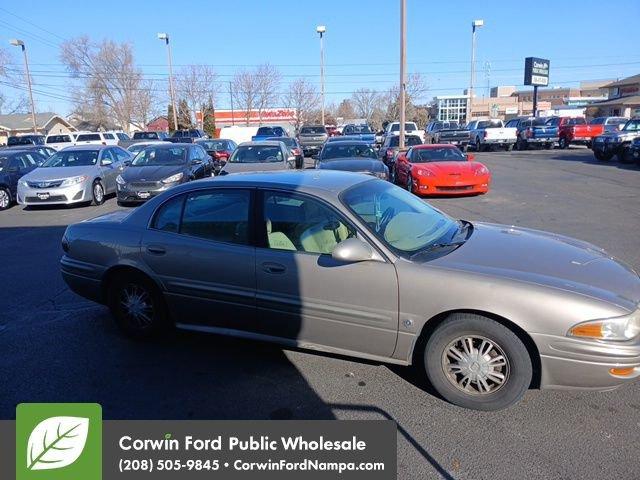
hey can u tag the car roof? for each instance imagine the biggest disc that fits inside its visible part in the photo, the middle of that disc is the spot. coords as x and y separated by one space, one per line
163 144
295 180
430 146
270 143
352 142
77 148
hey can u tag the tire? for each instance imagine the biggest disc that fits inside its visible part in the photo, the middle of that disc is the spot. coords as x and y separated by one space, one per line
5 198
97 193
603 157
548 146
410 184
126 287
589 145
509 147
520 145
478 145
516 371
625 156
464 148
562 143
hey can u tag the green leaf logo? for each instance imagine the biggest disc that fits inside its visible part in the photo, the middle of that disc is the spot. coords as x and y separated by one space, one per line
56 442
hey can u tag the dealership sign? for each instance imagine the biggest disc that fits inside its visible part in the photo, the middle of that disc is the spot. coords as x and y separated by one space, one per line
536 71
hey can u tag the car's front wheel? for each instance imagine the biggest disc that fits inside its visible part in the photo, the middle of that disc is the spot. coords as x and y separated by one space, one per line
5 198
137 305
562 143
97 193
475 362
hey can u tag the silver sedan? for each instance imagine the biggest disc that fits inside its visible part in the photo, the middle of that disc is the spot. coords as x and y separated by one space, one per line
74 175
349 264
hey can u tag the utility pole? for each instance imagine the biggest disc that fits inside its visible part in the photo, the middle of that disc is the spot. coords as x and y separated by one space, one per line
321 29
19 43
165 37
233 121
475 24
403 64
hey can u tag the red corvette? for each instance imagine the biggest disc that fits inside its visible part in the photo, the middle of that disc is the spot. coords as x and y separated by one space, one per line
440 170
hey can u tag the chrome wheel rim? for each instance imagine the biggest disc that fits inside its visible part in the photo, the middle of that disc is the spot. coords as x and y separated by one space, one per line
4 199
475 365
137 306
98 194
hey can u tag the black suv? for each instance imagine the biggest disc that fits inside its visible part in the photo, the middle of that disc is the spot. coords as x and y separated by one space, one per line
25 140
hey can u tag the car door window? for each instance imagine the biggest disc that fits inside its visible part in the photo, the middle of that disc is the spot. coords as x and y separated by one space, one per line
218 215
167 218
107 155
120 154
299 223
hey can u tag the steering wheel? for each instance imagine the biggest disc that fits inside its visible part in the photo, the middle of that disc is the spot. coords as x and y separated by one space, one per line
385 218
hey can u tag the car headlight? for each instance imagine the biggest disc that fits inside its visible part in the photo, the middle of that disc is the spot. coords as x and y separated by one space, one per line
73 181
482 171
173 178
425 173
120 180
616 329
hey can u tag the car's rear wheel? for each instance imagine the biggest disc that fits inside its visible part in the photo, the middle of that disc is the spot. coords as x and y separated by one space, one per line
562 143
475 362
137 305
5 198
97 193
625 156
547 146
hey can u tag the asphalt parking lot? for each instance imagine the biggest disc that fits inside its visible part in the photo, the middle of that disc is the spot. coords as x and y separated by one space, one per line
54 346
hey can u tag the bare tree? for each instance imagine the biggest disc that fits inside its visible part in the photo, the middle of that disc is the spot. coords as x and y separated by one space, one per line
416 89
13 104
365 101
147 105
345 109
245 91
268 79
197 84
302 96
108 72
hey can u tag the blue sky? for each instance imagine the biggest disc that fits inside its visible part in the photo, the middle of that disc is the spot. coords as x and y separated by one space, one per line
584 40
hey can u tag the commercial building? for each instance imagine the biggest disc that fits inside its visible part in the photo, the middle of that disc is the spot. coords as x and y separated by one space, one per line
623 99
586 93
504 106
451 107
21 123
284 117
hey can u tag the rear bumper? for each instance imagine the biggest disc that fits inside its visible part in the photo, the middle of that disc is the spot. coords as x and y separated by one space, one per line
498 141
570 363
536 141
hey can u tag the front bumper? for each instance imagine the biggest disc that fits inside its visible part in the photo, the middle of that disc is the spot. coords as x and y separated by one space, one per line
571 363
440 188
54 196
140 193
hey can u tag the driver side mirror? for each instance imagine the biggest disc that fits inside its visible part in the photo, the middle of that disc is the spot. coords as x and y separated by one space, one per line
196 161
471 157
353 250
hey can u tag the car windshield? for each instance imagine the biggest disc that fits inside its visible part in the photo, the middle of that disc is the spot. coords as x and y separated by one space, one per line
632 126
135 148
358 129
72 158
154 156
257 154
408 127
442 154
399 219
345 150
313 130
216 145
146 136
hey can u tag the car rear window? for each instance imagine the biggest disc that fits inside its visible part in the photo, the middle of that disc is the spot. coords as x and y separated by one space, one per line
59 139
490 124
410 140
313 130
88 137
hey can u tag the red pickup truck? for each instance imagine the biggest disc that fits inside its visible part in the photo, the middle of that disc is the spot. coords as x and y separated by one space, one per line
574 130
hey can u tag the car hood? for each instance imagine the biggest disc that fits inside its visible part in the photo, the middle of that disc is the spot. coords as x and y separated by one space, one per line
620 134
546 259
150 173
353 165
449 168
57 173
253 167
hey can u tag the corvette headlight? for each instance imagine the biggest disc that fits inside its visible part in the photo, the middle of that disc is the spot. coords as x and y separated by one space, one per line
481 171
173 178
73 181
616 329
120 180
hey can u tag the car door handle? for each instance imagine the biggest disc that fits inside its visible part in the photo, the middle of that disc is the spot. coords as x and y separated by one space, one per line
156 250
271 267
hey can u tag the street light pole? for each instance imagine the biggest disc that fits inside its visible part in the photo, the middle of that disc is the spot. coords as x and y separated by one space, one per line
475 24
165 37
321 29
19 43
403 64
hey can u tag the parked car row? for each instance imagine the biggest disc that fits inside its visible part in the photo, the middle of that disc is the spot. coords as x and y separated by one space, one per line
623 143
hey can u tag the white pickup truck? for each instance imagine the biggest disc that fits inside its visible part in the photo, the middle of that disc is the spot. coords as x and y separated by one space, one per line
410 128
484 134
